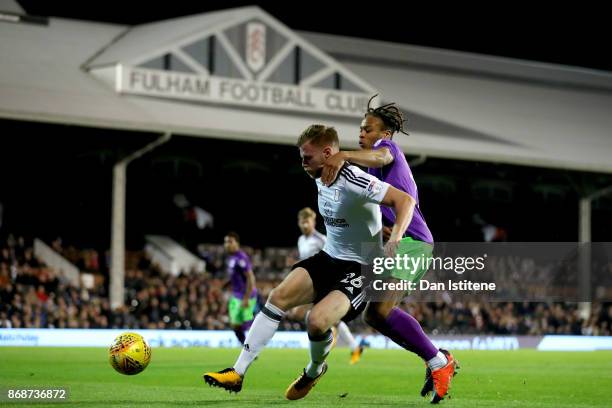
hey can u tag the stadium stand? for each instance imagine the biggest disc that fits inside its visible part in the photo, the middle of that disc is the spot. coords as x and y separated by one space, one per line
33 295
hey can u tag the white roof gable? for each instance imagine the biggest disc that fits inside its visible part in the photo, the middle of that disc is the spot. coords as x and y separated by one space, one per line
151 38
142 43
510 117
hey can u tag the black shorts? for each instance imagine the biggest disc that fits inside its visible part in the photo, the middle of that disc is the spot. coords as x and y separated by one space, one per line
330 274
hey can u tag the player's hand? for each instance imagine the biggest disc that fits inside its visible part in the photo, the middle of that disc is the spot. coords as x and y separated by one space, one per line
331 167
245 302
386 233
390 248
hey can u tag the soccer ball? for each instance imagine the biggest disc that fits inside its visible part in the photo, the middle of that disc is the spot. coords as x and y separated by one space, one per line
129 354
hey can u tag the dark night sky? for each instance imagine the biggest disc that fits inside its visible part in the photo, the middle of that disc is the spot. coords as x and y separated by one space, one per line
578 36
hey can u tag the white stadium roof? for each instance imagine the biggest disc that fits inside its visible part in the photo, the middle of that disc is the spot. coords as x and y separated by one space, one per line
459 105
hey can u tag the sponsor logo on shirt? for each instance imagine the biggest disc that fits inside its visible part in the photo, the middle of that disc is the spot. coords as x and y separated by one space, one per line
335 222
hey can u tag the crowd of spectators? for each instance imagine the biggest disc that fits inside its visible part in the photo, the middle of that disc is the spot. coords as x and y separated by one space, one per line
34 296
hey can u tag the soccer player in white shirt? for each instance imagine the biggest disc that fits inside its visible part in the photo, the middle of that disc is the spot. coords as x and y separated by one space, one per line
331 279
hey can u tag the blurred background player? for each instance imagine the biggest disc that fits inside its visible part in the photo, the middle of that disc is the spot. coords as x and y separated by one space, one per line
240 275
309 243
386 161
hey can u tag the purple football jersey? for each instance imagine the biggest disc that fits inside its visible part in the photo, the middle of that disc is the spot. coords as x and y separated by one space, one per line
398 174
237 266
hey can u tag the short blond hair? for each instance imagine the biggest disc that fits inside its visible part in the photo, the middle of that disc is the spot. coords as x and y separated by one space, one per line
307 212
319 135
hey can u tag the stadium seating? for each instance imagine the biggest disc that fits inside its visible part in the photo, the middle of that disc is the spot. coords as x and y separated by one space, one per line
32 295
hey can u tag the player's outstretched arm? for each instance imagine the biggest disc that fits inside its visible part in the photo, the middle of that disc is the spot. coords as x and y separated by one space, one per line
403 204
367 158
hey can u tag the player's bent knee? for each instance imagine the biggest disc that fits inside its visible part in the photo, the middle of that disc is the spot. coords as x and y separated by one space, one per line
279 298
317 324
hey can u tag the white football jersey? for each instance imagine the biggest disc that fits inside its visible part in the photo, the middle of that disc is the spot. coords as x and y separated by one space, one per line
350 209
310 245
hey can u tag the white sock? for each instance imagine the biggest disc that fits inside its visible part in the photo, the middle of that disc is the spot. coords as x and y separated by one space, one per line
263 328
438 361
345 334
319 349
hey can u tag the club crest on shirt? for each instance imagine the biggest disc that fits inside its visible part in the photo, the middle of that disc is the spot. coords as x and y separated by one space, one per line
327 210
336 195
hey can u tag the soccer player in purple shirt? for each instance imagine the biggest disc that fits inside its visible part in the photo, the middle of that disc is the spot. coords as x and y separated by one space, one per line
240 275
387 162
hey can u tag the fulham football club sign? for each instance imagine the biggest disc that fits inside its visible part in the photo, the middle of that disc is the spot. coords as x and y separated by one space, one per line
246 59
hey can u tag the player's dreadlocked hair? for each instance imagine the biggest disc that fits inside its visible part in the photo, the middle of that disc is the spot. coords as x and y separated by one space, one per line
390 115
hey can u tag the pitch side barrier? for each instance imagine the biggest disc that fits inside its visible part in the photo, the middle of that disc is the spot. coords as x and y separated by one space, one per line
288 339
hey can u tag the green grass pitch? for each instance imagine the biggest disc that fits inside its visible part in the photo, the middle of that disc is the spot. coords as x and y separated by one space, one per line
383 378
